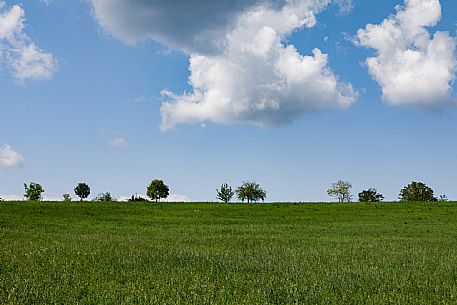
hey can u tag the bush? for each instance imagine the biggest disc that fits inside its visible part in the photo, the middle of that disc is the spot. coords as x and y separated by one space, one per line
104 197
136 199
370 195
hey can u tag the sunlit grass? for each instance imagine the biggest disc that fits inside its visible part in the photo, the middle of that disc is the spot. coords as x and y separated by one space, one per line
189 253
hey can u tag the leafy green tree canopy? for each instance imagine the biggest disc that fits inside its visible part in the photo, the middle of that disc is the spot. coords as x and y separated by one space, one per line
157 190
251 192
82 190
225 194
341 190
417 191
33 191
370 195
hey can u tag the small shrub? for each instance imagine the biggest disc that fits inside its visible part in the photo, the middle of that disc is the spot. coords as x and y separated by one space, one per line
136 199
370 195
104 197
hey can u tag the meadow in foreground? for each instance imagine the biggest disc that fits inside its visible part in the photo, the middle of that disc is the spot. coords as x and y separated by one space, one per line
191 253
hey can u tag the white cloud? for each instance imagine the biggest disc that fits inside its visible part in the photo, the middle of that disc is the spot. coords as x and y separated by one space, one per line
257 79
241 71
192 26
52 198
118 142
413 67
176 198
18 52
135 101
9 157
345 6
7 197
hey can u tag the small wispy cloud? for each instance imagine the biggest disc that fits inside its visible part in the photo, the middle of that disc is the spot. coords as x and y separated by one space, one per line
346 6
135 100
118 142
9 157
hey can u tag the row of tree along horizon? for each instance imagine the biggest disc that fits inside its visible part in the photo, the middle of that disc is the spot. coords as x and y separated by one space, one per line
248 191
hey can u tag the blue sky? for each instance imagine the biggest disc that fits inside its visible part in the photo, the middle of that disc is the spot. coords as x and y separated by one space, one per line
85 98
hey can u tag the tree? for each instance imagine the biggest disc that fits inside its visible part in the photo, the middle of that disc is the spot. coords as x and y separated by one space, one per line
417 191
157 190
225 194
341 190
104 197
370 195
82 190
33 191
66 198
251 192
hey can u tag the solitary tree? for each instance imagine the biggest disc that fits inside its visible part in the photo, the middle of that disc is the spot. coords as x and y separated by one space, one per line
341 190
33 191
416 191
370 195
66 198
225 194
82 190
251 192
157 190
104 197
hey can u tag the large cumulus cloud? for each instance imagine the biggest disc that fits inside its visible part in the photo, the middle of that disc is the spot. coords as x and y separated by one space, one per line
413 67
241 71
192 26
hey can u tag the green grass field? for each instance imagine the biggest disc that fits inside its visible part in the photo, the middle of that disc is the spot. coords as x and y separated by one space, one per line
189 253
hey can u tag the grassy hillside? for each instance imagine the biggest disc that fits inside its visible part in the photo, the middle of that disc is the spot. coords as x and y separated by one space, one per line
119 253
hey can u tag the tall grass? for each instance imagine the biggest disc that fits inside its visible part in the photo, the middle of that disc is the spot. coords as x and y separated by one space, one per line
190 253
